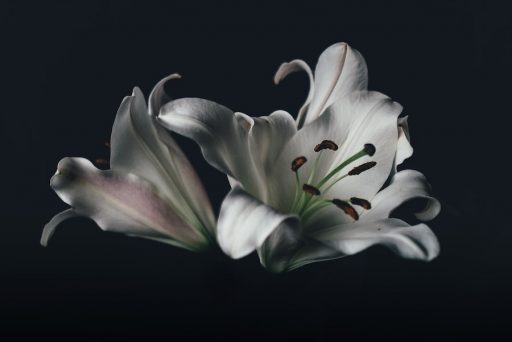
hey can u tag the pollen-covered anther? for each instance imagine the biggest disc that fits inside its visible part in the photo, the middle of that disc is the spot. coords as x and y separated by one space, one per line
361 202
298 162
369 149
347 208
326 144
310 189
361 168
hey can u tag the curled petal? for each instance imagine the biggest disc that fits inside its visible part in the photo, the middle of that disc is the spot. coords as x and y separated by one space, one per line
245 223
290 67
405 185
158 97
340 71
120 202
412 242
49 228
139 145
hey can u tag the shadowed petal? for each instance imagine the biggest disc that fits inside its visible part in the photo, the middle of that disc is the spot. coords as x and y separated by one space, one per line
404 149
49 228
244 148
140 146
245 223
120 202
405 185
412 242
158 97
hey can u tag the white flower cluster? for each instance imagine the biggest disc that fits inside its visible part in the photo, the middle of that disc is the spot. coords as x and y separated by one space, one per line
318 187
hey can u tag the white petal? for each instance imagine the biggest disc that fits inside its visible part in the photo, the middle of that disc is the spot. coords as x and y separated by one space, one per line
340 71
245 223
142 147
244 148
412 242
404 149
405 185
158 97
290 67
121 202
358 119
49 228
278 250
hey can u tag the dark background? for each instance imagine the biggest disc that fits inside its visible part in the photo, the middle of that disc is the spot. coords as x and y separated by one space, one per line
65 67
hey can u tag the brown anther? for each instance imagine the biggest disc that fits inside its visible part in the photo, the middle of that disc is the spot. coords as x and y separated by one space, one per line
310 189
369 149
361 202
361 168
347 208
101 161
298 162
326 144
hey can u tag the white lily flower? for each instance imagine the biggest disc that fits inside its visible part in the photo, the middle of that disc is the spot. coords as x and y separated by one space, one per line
314 189
151 190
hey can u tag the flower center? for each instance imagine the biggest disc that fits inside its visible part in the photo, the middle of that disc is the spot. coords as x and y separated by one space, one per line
308 198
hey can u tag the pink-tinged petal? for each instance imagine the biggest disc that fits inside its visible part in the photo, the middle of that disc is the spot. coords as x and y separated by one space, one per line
122 202
139 145
245 223
405 185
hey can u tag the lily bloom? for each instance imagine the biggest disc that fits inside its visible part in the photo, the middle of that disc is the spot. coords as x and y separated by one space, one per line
320 187
151 190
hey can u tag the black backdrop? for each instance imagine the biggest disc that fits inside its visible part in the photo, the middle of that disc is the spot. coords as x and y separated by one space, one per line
65 69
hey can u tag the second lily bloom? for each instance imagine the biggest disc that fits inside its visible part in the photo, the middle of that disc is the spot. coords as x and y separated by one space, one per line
151 190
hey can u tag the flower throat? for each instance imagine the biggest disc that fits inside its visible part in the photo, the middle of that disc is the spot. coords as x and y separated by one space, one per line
308 198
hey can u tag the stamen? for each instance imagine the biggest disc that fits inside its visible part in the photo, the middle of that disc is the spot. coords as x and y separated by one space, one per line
298 162
326 144
310 189
361 202
361 168
101 161
347 208
369 149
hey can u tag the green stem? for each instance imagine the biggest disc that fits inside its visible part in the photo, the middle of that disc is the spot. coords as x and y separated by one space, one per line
331 174
297 191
